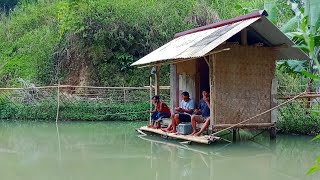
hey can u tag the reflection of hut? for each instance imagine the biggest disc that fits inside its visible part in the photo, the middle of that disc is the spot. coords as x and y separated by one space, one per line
236 59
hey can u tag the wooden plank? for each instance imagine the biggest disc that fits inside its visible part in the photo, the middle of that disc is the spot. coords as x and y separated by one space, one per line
218 51
175 61
160 87
245 126
198 139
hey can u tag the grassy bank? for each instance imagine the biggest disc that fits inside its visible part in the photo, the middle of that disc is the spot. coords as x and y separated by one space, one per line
75 111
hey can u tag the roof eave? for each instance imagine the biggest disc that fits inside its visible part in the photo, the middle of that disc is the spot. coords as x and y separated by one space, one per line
223 23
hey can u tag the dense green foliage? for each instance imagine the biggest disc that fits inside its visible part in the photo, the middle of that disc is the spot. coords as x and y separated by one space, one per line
93 42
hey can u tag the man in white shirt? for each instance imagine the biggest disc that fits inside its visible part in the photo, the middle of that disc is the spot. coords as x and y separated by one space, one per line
182 113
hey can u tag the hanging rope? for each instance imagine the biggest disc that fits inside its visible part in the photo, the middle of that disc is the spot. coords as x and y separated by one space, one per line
295 97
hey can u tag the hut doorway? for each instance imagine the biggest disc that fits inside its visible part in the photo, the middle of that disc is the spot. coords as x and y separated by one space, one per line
203 75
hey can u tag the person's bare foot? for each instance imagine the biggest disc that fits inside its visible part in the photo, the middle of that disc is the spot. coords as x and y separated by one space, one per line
172 131
193 133
164 129
197 134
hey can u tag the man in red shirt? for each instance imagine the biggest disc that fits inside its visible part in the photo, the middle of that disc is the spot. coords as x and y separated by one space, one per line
160 111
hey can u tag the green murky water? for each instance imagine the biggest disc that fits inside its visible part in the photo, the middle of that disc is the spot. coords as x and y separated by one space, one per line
112 150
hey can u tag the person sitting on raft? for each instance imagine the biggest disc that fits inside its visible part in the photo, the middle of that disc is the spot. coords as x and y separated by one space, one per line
182 113
202 114
160 111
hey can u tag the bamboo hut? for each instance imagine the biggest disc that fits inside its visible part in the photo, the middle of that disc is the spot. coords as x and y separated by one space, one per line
236 58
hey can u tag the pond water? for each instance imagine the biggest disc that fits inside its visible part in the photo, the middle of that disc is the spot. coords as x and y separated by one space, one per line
112 150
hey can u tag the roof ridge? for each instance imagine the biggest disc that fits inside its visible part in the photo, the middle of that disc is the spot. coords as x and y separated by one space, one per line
223 23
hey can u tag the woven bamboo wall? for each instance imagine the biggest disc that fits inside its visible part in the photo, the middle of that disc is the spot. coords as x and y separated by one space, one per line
242 84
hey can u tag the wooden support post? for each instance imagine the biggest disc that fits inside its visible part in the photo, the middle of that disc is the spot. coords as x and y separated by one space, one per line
174 90
234 135
273 133
124 96
273 143
273 103
206 60
244 37
150 98
157 81
212 94
273 99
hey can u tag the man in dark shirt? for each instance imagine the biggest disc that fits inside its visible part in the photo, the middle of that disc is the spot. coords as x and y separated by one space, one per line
202 114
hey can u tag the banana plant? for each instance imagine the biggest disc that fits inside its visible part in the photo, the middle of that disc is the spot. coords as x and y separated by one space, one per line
308 39
306 36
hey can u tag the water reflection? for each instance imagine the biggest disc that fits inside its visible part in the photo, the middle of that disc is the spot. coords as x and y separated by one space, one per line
113 151
59 141
243 160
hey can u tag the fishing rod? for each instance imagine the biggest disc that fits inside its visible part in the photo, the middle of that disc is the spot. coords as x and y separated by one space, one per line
139 112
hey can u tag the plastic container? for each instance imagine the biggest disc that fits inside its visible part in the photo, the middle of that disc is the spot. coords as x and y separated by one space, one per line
184 128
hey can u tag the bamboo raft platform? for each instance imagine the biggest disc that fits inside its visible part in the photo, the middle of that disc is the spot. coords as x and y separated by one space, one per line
197 139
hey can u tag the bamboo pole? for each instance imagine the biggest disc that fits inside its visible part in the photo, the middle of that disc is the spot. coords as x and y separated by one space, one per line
244 126
92 87
309 95
160 87
58 102
259 114
150 98
123 113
